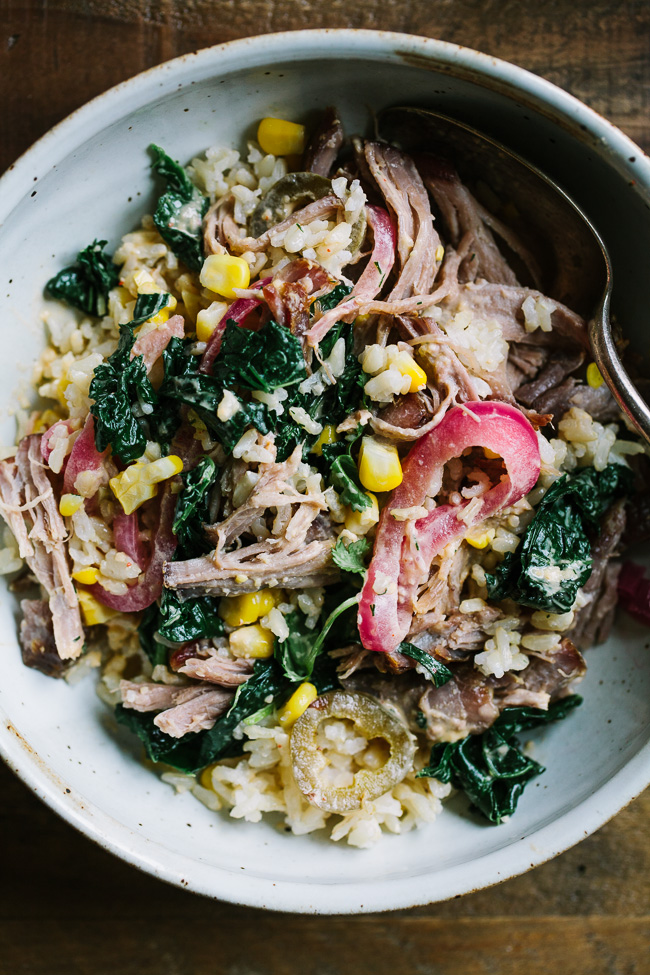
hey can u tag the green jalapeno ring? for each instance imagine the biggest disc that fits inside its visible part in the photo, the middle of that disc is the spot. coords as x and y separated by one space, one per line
373 721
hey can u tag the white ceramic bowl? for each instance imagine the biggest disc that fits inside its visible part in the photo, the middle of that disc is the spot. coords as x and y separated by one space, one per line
90 177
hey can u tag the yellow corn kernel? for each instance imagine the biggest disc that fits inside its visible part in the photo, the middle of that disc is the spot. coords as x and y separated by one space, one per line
205 778
144 283
360 522
440 252
137 483
409 367
222 273
379 465
45 420
327 436
208 319
297 704
479 537
70 503
281 138
252 641
92 611
86 576
247 608
594 376
193 304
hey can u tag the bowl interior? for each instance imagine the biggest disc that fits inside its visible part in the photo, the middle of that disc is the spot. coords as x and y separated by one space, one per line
91 179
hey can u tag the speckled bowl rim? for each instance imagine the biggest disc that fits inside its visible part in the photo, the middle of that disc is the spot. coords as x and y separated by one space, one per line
567 830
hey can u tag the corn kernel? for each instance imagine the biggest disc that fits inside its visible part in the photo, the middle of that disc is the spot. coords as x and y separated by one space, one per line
253 641
193 304
205 778
297 704
281 138
479 537
86 576
70 503
93 612
594 376
490 454
328 435
409 367
45 420
137 483
208 319
222 273
440 253
360 522
379 465
247 608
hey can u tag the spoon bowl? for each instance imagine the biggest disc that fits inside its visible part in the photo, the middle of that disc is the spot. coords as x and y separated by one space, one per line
575 265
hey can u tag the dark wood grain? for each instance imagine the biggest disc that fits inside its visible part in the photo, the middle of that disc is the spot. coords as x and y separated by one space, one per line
69 908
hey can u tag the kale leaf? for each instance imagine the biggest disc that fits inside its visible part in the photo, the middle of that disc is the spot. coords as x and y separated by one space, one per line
266 360
182 622
553 559
123 399
85 285
436 670
490 768
180 210
350 557
156 652
192 509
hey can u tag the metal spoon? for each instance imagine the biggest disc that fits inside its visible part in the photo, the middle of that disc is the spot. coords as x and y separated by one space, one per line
577 269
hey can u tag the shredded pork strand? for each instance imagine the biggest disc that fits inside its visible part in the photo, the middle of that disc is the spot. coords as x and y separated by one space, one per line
27 499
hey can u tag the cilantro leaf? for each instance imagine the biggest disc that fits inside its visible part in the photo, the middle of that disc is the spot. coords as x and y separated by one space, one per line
350 557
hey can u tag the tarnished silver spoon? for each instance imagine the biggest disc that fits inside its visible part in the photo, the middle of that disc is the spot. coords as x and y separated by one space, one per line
577 268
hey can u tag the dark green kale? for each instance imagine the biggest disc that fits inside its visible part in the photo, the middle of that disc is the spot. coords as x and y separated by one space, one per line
85 285
490 768
266 360
126 408
180 211
558 538
123 401
192 507
333 298
436 670
193 752
183 622
350 557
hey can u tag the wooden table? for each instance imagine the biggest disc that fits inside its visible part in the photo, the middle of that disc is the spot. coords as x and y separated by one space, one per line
68 908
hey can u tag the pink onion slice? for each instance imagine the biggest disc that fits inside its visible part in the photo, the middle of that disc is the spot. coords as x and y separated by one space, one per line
404 550
126 532
147 591
46 450
370 283
83 457
238 312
